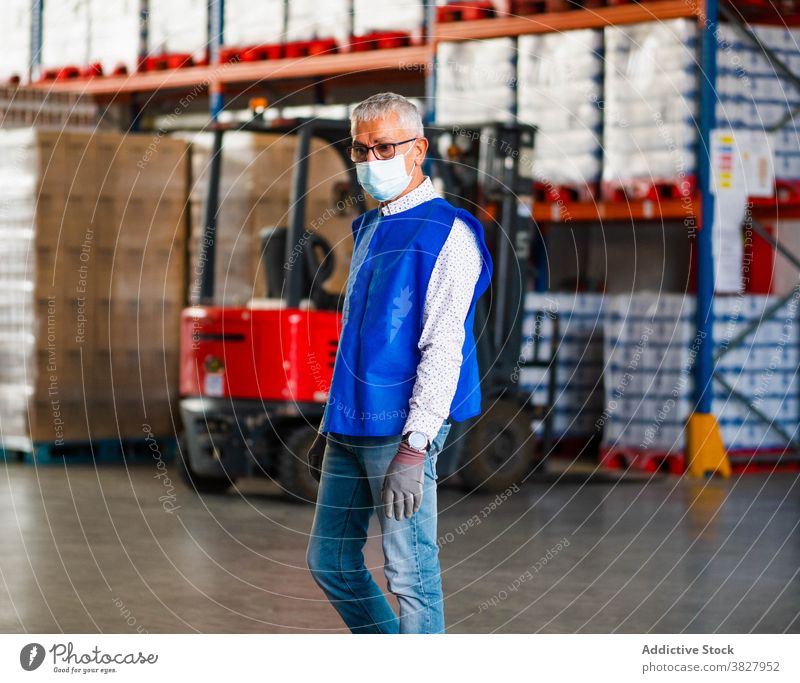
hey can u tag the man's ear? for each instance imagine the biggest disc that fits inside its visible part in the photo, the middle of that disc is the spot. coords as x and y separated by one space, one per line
421 146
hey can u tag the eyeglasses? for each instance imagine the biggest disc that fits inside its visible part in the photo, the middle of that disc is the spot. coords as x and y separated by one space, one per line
382 151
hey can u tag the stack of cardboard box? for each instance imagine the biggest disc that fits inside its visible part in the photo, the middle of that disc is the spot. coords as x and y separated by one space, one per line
255 191
92 284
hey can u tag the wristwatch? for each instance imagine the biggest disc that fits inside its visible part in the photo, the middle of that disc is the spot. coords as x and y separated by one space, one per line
417 440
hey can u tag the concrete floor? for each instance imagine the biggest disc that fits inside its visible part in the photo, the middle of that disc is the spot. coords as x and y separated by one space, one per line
85 549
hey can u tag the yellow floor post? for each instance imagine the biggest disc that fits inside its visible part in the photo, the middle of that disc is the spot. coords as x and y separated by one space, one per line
705 452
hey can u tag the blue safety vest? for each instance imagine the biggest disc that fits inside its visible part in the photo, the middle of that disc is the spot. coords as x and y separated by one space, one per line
376 362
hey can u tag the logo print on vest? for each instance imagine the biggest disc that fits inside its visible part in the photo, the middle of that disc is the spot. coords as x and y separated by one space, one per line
402 305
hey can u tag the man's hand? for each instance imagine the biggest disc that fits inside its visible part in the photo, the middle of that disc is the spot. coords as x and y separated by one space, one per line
315 455
402 485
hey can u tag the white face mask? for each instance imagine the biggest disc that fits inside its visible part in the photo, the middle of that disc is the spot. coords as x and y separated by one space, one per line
384 179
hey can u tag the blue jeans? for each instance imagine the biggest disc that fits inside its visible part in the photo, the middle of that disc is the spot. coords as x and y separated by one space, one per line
350 491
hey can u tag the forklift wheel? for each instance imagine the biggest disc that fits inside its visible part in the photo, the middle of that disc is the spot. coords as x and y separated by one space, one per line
293 473
198 482
499 449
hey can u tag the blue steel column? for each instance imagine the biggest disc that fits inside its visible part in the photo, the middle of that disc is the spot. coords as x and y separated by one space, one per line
135 106
35 66
144 30
216 15
706 452
216 103
704 362
429 102
428 29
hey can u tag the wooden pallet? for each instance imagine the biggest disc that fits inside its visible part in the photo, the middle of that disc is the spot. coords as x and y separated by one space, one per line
584 192
83 452
622 458
652 189
765 461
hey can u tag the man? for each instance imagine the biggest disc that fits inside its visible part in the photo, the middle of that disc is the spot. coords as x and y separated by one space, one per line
406 363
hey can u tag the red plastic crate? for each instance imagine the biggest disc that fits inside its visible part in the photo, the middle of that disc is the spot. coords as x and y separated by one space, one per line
60 73
380 40
465 11
309 48
258 53
228 55
91 70
619 458
167 61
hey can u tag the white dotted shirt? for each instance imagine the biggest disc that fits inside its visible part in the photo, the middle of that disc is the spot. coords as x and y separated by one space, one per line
447 301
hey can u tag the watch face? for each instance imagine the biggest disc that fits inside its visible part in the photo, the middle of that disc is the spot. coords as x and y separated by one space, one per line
417 440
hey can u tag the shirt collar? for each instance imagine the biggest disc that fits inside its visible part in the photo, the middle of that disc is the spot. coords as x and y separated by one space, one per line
423 193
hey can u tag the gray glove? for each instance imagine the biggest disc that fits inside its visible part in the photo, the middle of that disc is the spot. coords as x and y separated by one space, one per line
402 485
315 455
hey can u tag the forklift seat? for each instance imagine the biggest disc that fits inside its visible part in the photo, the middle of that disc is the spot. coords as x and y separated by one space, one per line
317 267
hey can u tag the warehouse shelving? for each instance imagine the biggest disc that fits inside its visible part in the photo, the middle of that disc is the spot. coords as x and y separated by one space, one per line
595 212
410 60
648 210
552 22
416 63
390 62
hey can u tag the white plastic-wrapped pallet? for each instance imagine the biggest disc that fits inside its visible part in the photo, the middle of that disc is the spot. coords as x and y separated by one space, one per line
560 92
309 19
650 349
249 23
80 32
579 367
178 26
15 31
651 85
763 368
647 371
114 33
396 15
475 81
754 97
65 33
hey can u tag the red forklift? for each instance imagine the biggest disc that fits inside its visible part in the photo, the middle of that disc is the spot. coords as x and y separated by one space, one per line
254 380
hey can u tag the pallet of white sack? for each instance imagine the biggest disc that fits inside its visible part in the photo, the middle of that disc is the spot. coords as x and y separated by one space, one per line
88 451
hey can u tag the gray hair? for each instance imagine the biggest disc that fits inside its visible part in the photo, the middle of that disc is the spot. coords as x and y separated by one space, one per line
383 103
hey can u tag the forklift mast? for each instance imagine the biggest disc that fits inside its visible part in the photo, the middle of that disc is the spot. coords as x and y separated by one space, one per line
336 133
481 172
487 169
